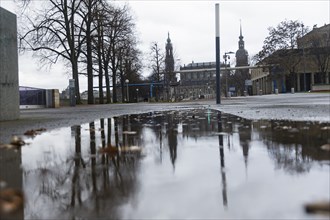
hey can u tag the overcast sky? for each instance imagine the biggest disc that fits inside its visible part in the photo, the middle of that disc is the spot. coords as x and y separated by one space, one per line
191 25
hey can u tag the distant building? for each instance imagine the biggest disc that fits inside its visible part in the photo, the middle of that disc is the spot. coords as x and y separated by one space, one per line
199 80
306 68
65 94
318 37
242 56
84 95
242 59
169 76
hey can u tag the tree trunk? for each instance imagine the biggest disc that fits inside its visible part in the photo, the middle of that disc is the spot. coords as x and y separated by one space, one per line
107 83
89 59
75 76
114 86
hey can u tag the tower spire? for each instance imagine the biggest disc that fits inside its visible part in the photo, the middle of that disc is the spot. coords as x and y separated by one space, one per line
240 27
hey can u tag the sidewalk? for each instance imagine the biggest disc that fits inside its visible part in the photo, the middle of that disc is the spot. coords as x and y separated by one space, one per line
296 107
313 107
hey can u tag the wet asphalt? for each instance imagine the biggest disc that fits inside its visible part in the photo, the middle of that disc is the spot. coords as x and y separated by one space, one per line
313 107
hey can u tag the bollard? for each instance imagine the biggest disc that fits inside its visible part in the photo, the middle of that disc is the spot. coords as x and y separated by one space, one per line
276 91
72 92
292 90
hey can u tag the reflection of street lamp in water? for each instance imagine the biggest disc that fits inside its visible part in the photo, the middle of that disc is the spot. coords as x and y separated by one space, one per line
127 94
222 162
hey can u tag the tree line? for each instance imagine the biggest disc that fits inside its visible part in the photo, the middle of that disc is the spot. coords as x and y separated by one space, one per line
94 38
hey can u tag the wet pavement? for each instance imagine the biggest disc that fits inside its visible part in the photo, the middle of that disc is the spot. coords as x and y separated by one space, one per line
189 162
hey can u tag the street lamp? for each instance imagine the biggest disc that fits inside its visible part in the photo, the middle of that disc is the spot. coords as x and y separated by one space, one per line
226 56
127 94
137 94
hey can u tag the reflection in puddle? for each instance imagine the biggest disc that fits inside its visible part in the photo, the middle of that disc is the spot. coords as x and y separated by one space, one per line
179 164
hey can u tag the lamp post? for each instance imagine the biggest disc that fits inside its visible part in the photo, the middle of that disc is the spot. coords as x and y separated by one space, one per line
226 56
137 95
217 52
127 94
303 45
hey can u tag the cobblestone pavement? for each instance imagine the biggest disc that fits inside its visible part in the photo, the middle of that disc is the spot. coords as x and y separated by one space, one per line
296 107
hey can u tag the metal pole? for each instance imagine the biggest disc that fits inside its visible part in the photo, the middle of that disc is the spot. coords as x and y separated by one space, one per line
217 52
303 44
226 75
127 92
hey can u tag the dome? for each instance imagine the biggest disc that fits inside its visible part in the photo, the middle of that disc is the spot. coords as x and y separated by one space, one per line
241 53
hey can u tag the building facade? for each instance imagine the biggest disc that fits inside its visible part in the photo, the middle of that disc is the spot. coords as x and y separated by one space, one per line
198 80
310 66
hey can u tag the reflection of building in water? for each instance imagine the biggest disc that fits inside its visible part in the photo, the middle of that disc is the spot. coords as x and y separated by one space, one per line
245 139
172 144
172 137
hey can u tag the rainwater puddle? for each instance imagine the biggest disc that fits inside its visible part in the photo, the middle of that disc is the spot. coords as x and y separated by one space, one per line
184 164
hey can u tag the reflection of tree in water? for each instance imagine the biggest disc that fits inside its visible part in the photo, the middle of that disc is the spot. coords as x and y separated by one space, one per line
78 161
293 145
93 185
289 158
114 181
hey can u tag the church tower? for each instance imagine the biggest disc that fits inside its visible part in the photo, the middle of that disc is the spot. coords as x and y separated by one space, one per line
169 62
241 54
241 76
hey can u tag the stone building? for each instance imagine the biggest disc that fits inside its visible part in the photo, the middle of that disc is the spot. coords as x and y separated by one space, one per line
306 68
9 96
242 59
198 80
169 76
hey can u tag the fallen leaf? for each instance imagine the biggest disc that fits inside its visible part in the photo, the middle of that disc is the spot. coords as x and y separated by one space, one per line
322 207
11 200
325 147
129 132
34 132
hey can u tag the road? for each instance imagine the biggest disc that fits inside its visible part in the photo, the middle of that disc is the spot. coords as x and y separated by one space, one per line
314 107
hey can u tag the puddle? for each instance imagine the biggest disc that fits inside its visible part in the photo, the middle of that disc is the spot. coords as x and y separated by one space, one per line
172 165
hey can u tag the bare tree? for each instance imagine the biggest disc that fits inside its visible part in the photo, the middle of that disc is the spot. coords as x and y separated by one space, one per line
88 12
157 66
55 32
119 33
115 45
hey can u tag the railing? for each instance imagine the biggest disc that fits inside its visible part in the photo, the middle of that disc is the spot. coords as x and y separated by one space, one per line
32 96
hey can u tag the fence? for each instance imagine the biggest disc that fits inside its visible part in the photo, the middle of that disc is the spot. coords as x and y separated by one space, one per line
32 97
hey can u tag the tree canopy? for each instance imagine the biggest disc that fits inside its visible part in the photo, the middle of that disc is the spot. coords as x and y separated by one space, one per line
284 36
